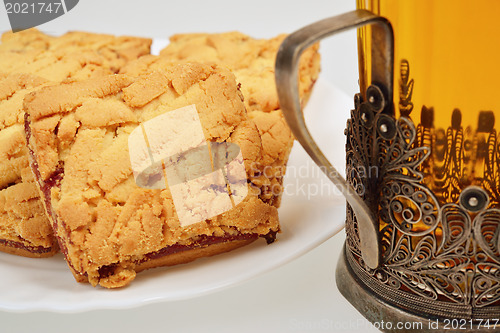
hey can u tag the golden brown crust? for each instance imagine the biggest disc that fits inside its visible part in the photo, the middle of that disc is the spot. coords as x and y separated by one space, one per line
114 51
29 60
252 61
66 98
29 39
54 65
117 50
24 228
234 49
102 217
277 141
23 220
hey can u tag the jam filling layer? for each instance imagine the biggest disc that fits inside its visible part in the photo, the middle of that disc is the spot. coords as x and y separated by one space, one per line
21 246
202 242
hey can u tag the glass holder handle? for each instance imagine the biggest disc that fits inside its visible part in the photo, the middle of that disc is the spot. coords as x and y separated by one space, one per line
286 70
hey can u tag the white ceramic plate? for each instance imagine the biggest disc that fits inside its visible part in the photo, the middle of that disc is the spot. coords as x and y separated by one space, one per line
311 212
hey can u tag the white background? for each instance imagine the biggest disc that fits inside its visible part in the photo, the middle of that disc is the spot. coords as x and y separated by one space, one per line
298 297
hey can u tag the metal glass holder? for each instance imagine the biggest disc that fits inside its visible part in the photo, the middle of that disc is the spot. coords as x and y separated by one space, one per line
439 270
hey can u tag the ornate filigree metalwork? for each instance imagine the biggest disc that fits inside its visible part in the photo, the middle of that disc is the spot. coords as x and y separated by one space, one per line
405 89
440 234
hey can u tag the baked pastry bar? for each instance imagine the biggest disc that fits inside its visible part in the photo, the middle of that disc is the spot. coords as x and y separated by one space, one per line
24 227
116 51
109 227
54 66
28 60
252 61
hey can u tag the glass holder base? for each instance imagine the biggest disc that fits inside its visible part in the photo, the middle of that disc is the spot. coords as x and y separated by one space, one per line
389 318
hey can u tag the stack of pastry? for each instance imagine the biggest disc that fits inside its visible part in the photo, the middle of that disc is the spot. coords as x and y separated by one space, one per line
68 110
30 60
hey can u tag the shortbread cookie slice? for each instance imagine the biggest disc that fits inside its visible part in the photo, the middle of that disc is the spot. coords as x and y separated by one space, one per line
25 40
252 61
28 60
277 141
24 228
107 225
55 66
115 50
